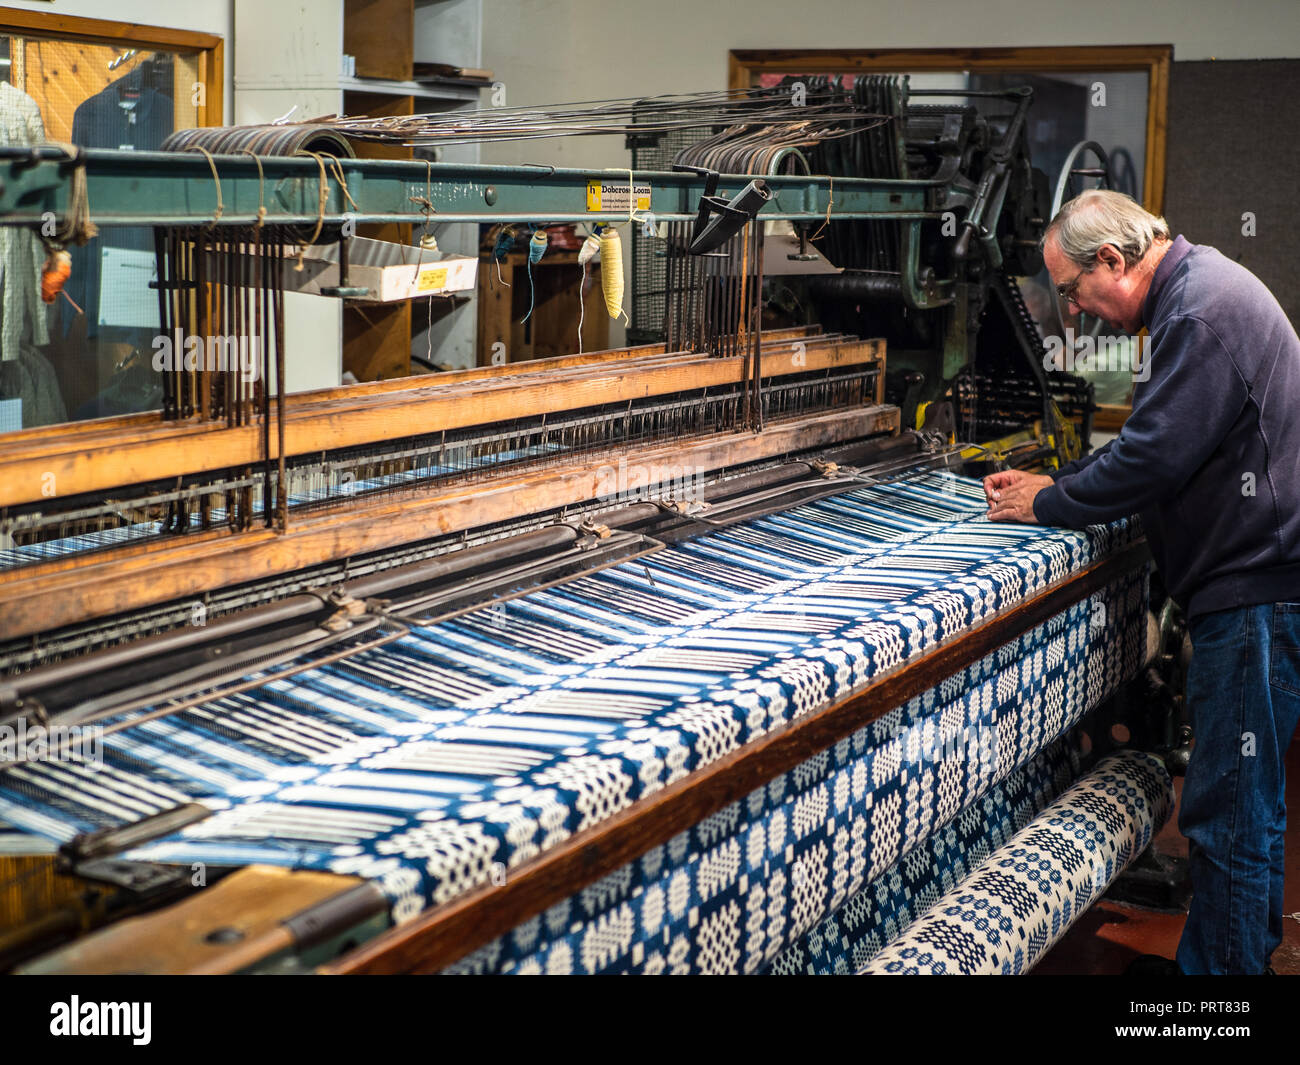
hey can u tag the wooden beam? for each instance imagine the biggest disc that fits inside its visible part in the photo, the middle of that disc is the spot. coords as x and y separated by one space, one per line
449 932
745 63
101 31
46 467
30 890
1153 178
809 334
231 926
61 592
212 72
21 440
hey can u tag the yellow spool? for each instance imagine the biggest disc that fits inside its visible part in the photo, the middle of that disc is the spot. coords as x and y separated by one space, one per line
611 270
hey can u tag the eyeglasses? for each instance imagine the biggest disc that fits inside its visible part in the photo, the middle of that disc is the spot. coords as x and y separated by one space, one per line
1066 292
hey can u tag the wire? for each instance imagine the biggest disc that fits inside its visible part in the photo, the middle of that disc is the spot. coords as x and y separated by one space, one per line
823 114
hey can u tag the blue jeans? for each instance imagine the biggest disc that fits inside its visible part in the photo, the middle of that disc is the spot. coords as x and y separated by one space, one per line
1243 696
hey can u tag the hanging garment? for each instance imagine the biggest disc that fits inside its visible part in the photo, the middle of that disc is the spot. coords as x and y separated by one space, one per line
21 253
31 376
130 114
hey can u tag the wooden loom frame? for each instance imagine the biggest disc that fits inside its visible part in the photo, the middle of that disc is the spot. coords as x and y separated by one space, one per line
99 456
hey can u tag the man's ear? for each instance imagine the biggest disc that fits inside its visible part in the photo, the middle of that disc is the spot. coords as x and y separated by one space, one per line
1110 257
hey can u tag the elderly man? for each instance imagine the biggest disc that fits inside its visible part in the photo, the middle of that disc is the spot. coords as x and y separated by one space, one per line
1210 459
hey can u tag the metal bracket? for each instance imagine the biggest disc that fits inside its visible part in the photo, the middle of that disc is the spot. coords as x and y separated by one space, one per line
685 507
594 528
348 610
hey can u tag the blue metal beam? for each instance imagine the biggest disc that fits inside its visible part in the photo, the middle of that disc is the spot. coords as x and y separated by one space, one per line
165 188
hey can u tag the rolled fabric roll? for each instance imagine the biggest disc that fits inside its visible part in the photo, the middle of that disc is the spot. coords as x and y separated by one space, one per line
1004 916
886 906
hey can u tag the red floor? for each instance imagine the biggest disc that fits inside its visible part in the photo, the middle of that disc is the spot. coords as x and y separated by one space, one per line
1110 935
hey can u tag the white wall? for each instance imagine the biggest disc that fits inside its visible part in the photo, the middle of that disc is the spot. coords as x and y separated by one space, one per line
564 50
206 16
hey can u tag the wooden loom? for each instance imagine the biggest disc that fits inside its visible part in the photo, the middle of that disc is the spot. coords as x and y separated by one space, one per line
275 911
97 626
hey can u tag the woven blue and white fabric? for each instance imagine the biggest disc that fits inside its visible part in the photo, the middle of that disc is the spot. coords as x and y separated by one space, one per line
1004 916
735 891
887 906
470 746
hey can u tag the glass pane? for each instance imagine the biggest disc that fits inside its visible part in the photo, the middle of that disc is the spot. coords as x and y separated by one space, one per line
1110 109
88 354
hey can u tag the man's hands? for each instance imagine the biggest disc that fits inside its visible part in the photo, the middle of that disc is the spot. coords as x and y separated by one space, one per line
1011 493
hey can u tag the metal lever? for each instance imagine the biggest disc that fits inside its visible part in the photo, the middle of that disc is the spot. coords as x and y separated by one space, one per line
106 841
710 189
346 292
728 216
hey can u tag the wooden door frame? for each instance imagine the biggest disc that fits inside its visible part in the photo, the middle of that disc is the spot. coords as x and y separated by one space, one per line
209 46
744 65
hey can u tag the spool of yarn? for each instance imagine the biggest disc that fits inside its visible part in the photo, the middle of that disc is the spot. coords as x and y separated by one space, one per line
536 249
537 246
590 247
611 270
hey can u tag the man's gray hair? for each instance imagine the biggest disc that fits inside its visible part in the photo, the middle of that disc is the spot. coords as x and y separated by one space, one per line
1100 216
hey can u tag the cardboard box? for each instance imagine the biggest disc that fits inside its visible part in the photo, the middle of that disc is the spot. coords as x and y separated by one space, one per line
390 272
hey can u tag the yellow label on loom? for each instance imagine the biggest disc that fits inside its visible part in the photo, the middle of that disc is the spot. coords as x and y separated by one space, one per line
431 277
616 196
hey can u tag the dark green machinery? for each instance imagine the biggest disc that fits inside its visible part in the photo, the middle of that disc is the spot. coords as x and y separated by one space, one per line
939 287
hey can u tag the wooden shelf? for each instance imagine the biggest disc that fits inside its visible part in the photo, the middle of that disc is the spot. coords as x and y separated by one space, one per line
377 339
379 35
418 89
553 327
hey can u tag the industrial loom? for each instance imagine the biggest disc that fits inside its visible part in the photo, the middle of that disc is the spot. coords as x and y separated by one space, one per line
694 656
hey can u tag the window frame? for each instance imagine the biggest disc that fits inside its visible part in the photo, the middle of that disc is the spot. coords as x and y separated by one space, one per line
209 46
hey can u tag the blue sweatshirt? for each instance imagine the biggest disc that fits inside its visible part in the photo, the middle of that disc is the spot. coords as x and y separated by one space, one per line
1210 456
